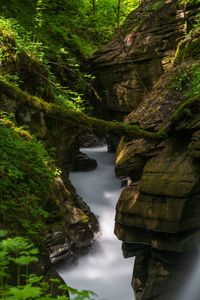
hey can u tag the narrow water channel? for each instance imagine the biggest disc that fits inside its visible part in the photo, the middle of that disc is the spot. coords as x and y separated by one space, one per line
103 270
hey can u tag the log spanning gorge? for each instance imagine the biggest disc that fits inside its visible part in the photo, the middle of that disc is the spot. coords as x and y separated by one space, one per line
142 94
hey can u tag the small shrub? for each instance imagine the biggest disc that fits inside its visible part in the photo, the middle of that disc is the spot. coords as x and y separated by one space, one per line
18 254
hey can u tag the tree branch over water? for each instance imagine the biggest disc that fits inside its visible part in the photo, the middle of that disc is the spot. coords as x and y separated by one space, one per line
78 119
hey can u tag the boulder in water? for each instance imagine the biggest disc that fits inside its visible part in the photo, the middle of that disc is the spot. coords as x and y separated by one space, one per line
84 163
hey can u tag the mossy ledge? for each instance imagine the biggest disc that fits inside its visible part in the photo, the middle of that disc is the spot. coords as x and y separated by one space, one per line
78 119
183 108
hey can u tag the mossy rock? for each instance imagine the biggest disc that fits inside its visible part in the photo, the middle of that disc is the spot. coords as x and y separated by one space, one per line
188 48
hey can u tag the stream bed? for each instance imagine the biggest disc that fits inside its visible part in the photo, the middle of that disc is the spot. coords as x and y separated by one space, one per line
103 270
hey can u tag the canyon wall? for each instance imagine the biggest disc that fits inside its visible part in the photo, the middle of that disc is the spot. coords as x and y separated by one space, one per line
158 213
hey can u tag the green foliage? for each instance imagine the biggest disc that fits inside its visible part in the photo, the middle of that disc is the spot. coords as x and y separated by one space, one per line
84 47
81 295
183 2
181 80
18 254
59 34
70 100
70 21
187 81
22 39
64 96
103 23
26 174
194 85
78 118
157 5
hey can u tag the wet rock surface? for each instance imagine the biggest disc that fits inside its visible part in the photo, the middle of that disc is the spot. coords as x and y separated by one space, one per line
71 225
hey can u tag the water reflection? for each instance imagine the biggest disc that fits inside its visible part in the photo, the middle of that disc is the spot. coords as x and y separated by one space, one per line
103 270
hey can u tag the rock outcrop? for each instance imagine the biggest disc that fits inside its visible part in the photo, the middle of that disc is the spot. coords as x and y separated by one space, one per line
71 224
144 48
158 213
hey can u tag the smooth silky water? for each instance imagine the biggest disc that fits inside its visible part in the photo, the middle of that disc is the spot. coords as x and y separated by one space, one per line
103 270
191 290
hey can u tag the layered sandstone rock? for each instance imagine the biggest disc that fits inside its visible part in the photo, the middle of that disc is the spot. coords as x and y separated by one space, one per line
159 211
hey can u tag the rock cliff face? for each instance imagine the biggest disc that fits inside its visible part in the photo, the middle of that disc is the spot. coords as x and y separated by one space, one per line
129 66
158 213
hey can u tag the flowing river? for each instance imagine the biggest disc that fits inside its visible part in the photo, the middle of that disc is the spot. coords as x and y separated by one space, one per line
103 270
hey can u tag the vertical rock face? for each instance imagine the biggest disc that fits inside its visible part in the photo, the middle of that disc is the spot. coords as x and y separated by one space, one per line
158 213
140 53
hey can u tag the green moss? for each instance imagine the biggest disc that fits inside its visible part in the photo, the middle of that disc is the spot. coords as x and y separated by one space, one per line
77 119
183 109
188 48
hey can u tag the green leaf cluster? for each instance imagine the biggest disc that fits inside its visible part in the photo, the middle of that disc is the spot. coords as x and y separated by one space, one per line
58 23
18 254
187 81
26 175
10 28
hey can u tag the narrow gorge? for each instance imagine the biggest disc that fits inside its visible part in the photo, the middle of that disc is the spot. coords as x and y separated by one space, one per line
71 82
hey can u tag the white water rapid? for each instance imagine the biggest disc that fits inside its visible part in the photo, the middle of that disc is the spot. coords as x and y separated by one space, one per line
103 270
